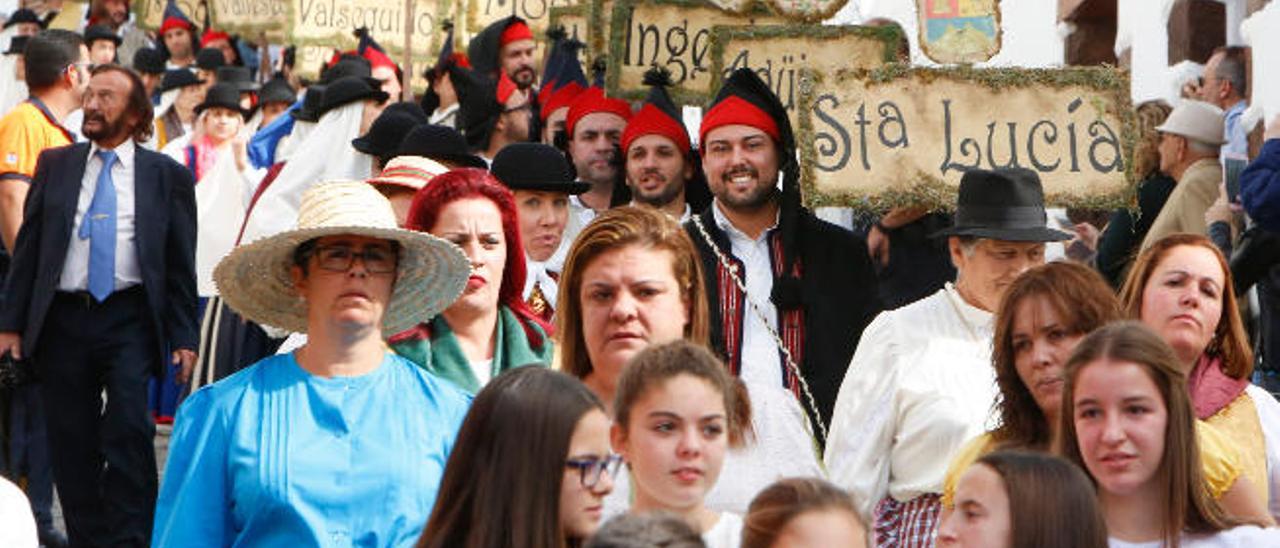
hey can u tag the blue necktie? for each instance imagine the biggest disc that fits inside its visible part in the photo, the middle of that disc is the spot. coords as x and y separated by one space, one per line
99 227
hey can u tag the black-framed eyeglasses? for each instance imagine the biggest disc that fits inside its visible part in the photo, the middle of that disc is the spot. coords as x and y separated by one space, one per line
590 468
377 259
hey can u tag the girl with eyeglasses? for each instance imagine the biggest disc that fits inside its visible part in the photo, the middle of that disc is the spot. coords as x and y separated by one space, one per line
530 468
677 412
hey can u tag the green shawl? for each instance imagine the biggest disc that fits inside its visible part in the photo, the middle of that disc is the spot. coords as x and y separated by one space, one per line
441 355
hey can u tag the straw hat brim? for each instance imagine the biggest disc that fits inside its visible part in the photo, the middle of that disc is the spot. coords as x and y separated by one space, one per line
254 279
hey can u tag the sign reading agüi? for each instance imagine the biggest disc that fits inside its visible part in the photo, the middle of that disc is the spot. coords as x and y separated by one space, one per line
896 135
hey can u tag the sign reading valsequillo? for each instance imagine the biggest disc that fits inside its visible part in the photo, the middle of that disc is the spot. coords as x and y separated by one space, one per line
905 133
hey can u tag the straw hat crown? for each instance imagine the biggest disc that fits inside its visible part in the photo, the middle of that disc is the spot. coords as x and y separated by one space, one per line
255 280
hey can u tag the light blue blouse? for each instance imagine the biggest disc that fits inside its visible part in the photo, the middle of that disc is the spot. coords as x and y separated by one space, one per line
276 456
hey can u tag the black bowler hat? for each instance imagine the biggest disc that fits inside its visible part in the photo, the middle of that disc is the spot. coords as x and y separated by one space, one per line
240 77
310 109
18 45
210 59
1002 204
349 89
407 107
222 95
349 65
440 143
149 61
23 15
385 134
277 90
178 78
100 32
535 166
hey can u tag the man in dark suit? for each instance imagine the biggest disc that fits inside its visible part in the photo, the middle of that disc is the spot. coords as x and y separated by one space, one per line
100 294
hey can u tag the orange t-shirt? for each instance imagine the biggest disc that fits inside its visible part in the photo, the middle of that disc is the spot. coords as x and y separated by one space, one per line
25 132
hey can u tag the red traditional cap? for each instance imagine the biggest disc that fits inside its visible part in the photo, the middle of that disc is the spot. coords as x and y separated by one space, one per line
651 120
734 110
515 32
560 98
591 101
211 35
377 58
172 22
460 59
506 87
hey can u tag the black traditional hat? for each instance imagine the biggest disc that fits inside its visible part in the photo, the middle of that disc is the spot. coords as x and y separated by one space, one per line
658 115
149 61
100 32
1002 204
440 143
407 107
222 95
23 15
535 166
746 99
18 45
311 100
178 78
484 48
347 65
277 90
478 105
240 77
349 89
210 59
385 133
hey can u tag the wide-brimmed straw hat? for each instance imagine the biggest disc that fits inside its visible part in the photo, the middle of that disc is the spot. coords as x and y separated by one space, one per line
254 279
408 172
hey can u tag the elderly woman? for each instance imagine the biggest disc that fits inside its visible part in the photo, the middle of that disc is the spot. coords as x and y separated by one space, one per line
1042 318
489 329
340 442
1181 288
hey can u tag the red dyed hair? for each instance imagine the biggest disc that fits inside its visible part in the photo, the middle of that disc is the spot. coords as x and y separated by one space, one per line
469 182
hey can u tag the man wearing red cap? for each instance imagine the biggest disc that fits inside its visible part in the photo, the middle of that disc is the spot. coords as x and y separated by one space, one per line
179 40
790 293
505 46
655 149
594 125
221 41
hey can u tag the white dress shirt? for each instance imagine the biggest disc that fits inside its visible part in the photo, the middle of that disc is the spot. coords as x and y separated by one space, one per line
761 363
919 386
75 270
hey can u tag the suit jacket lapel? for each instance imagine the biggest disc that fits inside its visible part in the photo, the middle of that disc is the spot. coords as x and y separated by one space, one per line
64 194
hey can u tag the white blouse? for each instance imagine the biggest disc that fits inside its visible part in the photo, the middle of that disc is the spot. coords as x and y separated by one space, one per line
726 533
920 384
1245 536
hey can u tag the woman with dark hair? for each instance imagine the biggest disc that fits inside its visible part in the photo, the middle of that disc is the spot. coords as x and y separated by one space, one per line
489 329
1043 316
800 513
1019 499
1181 287
530 468
1128 421
677 411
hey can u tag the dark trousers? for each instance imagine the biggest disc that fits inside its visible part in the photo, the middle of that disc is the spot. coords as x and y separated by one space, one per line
29 451
103 457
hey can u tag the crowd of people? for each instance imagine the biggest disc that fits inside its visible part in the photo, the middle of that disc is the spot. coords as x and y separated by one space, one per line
519 312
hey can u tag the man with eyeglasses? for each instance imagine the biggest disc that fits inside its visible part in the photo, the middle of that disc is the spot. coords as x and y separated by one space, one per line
57 63
493 113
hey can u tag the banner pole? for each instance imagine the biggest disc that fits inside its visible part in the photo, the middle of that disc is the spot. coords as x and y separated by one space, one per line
407 90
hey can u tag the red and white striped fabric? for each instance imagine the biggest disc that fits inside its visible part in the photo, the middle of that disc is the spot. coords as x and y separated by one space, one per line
911 524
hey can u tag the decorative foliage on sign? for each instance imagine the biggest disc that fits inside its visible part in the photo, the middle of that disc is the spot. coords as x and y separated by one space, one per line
574 21
249 15
672 34
891 136
779 53
600 17
811 11
959 31
482 13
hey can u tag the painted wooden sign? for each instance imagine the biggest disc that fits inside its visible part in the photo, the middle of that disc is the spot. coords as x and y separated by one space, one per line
959 31
898 136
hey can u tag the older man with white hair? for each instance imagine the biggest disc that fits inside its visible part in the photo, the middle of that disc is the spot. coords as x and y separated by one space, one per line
1189 141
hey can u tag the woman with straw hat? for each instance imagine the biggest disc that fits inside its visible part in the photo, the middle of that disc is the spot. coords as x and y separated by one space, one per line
340 442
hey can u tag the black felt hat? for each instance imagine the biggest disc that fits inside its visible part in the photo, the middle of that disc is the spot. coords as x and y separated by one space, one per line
349 65
385 133
240 77
535 166
23 15
478 106
310 109
1002 204
178 78
210 59
484 47
277 90
441 143
100 32
408 107
222 95
347 90
149 61
18 45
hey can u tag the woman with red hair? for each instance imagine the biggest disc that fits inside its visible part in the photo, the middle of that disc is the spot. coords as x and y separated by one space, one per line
489 329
